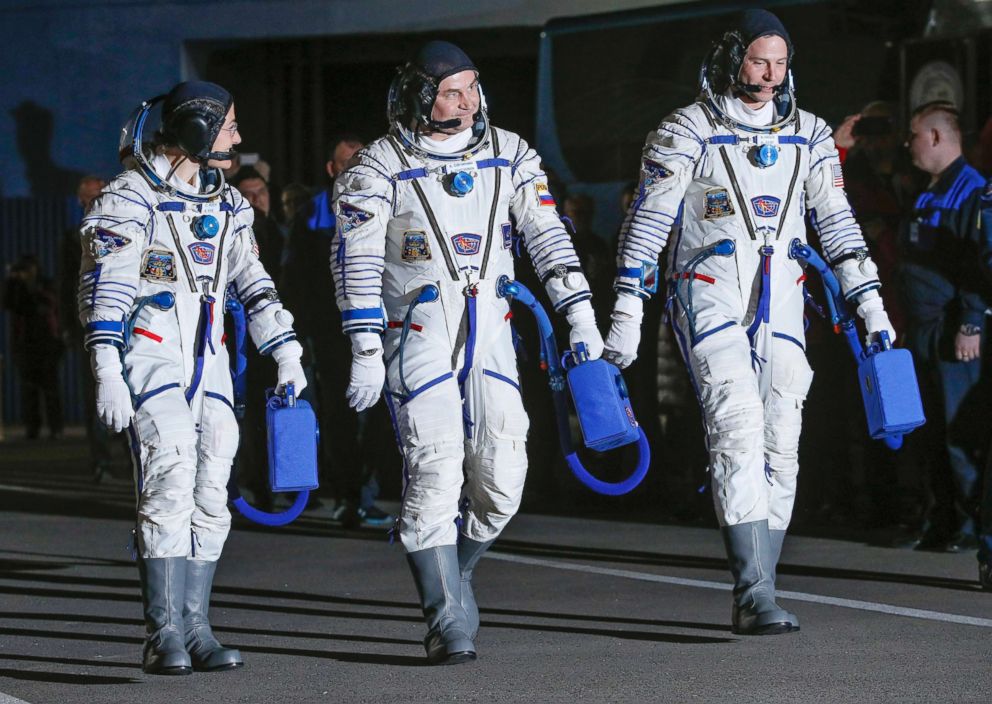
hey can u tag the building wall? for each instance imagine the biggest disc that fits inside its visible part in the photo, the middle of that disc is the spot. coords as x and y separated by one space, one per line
73 71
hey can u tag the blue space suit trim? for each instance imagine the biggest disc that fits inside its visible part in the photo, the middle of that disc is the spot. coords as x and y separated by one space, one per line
219 397
524 183
127 287
410 174
106 325
507 379
629 272
354 330
863 288
792 139
276 341
91 342
724 139
430 384
632 290
789 338
492 163
821 160
362 314
399 445
702 336
227 207
171 207
574 298
154 392
205 331
470 337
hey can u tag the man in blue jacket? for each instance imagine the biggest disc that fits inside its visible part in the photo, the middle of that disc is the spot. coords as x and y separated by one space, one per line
945 306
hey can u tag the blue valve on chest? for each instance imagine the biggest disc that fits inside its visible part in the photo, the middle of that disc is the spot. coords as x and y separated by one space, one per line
205 227
764 155
459 184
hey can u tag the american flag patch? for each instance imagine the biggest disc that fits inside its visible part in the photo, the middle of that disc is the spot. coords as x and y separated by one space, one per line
838 175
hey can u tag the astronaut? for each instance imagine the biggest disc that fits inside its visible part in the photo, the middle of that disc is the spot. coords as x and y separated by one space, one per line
425 230
729 180
160 247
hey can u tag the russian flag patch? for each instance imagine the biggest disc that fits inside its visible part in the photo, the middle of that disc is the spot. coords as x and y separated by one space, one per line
544 196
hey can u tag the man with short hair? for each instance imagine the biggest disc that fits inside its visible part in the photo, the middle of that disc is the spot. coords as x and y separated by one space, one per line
161 245
254 188
348 442
732 177
425 221
945 306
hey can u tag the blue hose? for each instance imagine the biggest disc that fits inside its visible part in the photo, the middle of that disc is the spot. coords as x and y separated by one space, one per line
270 519
238 372
839 317
428 294
556 380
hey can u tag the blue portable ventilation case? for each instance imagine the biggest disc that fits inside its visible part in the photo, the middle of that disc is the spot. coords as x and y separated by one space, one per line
602 405
292 434
890 390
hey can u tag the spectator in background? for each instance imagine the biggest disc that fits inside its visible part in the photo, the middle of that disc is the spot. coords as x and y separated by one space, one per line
36 344
295 197
70 257
984 246
945 308
255 188
347 438
881 184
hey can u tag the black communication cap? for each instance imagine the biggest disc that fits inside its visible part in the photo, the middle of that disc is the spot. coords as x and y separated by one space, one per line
440 59
754 24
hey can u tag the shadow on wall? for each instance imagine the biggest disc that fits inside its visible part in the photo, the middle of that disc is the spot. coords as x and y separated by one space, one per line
34 127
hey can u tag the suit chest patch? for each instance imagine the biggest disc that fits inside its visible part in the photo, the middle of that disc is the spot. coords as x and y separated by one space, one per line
416 248
202 252
718 204
765 206
466 243
158 265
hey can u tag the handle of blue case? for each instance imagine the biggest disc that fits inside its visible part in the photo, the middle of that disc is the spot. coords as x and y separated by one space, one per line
273 519
614 488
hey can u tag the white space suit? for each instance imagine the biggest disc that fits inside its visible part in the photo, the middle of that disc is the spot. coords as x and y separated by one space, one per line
453 390
138 242
739 315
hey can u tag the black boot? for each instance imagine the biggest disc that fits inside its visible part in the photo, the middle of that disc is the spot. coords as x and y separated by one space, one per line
752 553
469 553
435 571
206 653
163 581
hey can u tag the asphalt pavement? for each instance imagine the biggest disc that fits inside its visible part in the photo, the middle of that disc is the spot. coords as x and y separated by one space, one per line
573 610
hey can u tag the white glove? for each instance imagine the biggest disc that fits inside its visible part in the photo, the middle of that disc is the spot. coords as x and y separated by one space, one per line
287 356
625 332
583 321
113 396
368 373
872 311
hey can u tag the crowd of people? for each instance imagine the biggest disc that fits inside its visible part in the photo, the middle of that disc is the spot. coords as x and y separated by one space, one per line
388 252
